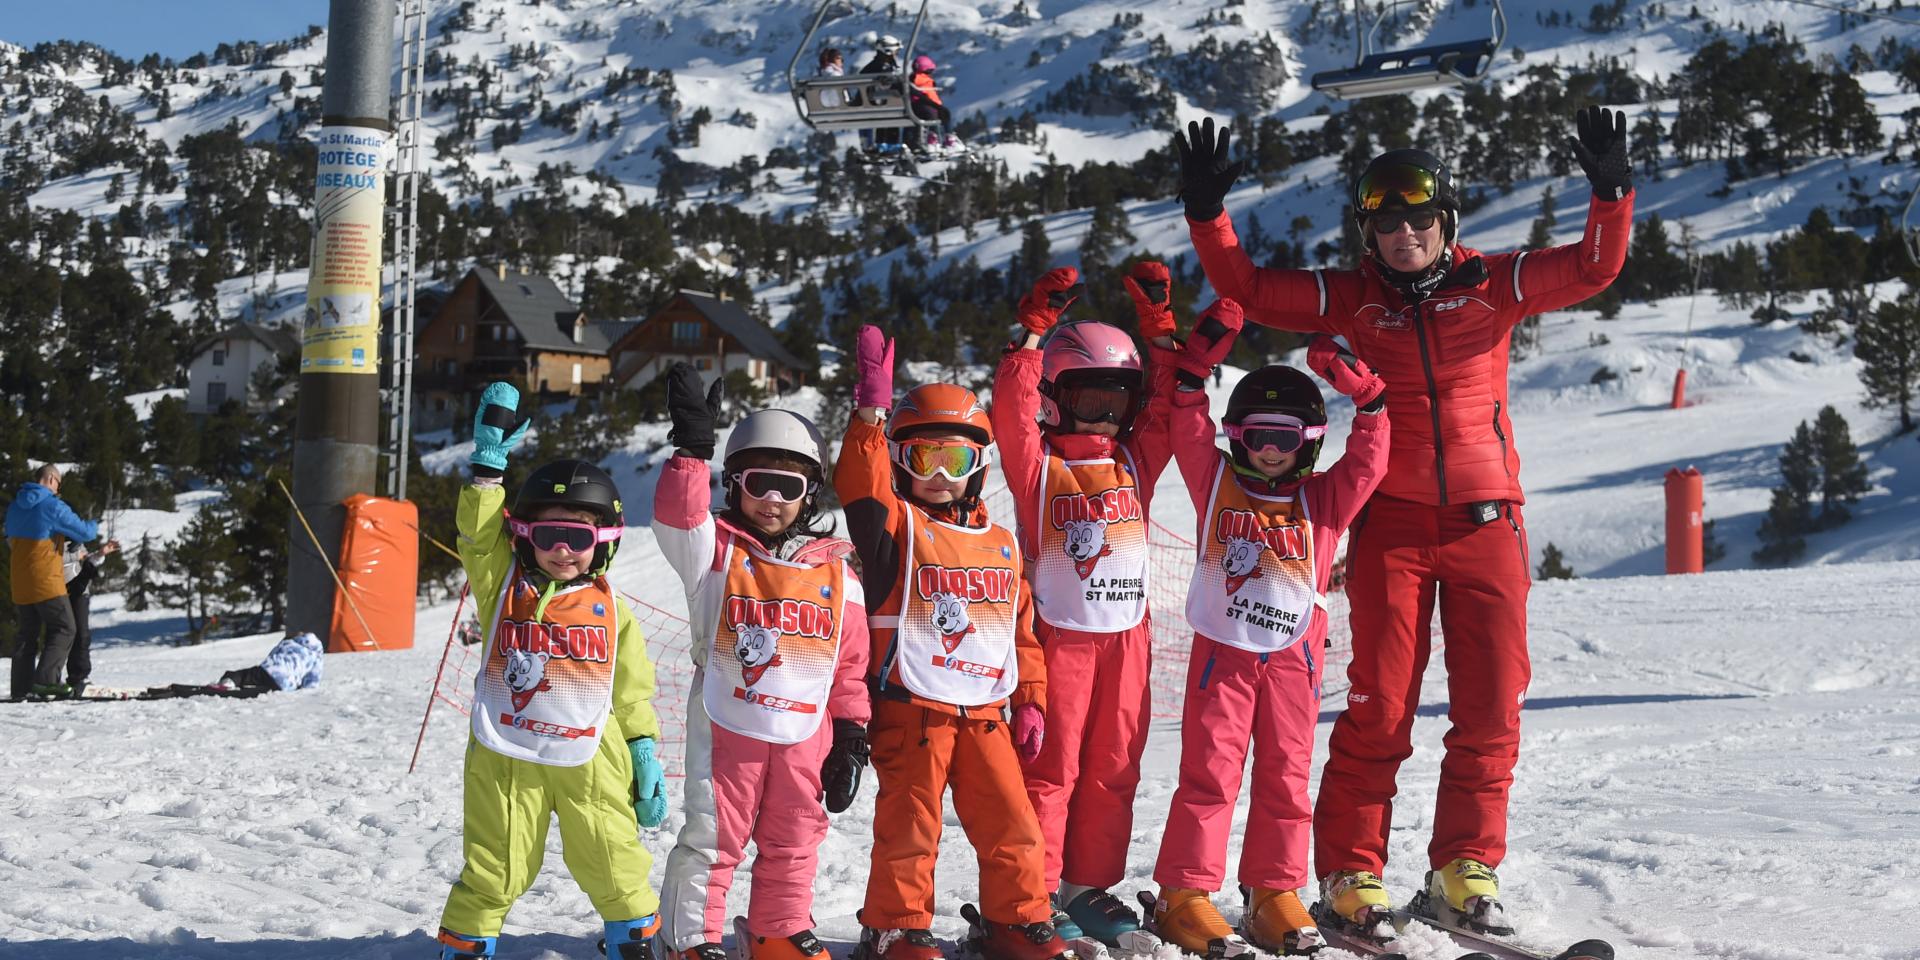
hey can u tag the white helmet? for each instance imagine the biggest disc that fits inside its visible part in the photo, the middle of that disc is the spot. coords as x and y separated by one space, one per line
888 43
778 430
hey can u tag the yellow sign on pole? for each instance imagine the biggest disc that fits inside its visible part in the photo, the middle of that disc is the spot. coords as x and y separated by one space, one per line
342 329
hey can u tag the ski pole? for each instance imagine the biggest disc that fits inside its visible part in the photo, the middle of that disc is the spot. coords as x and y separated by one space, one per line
434 694
342 587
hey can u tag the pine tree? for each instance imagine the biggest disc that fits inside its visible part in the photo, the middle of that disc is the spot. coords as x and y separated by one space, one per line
1790 515
203 556
1888 342
140 586
1541 236
1711 549
1553 565
1843 478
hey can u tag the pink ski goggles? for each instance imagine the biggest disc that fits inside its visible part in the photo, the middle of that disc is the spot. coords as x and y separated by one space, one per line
1282 433
554 534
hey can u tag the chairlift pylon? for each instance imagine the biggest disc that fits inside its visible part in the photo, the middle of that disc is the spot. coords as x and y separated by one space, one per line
1910 227
876 100
1434 66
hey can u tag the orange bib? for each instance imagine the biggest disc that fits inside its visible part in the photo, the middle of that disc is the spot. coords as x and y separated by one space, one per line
1091 573
955 633
773 657
1253 586
547 685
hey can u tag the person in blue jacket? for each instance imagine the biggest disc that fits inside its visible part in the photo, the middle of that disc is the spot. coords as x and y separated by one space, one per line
36 519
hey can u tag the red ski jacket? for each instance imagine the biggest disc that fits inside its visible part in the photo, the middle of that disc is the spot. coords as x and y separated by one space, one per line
1445 359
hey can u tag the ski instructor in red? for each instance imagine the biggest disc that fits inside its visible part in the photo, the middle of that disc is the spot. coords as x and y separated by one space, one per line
1433 318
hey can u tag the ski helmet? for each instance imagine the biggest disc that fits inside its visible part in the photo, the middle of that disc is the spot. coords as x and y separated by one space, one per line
924 64
1088 354
777 431
887 44
1406 179
576 485
1277 389
937 408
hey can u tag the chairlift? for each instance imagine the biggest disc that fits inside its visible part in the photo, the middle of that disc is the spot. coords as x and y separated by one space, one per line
855 101
1377 73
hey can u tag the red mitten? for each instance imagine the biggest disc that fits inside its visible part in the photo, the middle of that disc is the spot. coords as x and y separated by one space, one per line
1151 287
1211 341
1050 297
1344 371
1029 731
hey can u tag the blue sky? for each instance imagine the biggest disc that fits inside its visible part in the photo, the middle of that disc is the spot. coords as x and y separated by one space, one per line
171 28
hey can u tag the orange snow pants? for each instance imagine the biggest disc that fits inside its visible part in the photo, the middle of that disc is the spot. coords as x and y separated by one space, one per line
917 755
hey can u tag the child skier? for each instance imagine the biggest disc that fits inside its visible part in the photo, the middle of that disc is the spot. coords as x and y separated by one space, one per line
1082 476
958 680
1268 529
782 626
562 721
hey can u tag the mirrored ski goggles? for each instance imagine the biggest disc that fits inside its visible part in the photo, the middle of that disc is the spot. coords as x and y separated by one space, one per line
1282 433
1107 403
1401 183
1389 222
554 534
925 458
779 486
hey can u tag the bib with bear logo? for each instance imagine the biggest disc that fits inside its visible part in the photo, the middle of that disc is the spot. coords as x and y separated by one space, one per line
1091 573
544 693
1253 585
957 620
773 657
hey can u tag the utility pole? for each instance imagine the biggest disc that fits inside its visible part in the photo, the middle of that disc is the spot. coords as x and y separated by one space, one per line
337 433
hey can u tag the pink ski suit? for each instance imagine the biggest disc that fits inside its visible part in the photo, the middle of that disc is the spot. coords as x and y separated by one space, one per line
1235 695
1083 782
737 786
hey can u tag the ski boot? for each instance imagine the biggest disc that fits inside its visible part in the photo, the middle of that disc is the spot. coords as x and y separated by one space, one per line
459 946
1102 920
1186 918
1355 903
1063 922
897 945
1276 921
630 939
50 691
1471 891
800 946
705 951
1012 941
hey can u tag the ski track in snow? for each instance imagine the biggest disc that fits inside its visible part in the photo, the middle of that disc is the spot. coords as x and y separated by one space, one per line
1708 762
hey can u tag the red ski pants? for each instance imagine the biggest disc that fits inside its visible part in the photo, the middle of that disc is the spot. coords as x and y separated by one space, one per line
918 754
1082 783
1234 696
1402 558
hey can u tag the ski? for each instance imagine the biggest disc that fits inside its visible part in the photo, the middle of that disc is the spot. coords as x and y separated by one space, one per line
1423 909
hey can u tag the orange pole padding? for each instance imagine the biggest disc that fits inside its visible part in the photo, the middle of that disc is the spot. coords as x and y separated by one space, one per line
1680 388
1686 501
379 576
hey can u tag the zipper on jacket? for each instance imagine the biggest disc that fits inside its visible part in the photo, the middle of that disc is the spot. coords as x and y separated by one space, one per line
1312 687
1503 438
1433 401
1519 538
1207 671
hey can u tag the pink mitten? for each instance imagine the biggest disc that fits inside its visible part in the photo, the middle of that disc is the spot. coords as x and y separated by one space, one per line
1029 731
873 365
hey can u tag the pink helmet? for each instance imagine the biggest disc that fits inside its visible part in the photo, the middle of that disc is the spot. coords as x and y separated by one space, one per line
1085 353
924 63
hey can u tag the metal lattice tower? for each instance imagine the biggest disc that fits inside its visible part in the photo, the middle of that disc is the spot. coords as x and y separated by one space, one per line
404 216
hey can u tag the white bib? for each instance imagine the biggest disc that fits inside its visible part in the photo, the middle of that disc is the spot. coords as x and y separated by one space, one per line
546 687
774 654
1253 583
1091 573
955 637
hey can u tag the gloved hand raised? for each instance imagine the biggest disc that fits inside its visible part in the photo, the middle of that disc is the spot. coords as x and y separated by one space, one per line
1206 170
873 368
1345 372
840 775
1029 732
649 783
497 429
1150 285
1211 341
1050 297
1601 149
695 411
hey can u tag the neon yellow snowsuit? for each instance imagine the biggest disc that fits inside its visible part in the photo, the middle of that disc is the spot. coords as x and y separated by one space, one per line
508 801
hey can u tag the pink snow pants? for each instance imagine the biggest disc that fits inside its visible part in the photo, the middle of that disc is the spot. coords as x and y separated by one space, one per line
1233 697
1082 783
738 788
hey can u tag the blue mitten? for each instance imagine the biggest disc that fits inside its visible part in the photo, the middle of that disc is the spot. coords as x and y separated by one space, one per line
497 429
649 783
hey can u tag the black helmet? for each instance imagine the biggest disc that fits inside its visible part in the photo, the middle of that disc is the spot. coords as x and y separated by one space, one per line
576 485
1398 179
1277 389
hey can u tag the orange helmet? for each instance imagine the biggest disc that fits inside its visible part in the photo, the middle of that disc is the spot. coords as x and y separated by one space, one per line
940 408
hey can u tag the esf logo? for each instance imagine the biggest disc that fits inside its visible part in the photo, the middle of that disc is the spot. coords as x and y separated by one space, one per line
958 665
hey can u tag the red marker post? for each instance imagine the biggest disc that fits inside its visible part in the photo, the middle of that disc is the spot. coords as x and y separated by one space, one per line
1680 388
1686 499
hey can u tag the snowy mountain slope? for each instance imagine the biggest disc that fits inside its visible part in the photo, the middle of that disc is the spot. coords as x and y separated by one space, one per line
1685 790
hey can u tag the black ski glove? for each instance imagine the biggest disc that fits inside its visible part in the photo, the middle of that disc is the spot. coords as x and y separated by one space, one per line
840 775
1206 173
1601 149
694 416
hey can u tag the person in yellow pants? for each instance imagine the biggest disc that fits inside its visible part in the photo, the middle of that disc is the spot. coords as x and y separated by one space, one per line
563 721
